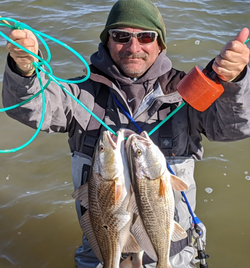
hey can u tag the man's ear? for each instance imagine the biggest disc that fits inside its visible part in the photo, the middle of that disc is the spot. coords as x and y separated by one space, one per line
160 50
159 45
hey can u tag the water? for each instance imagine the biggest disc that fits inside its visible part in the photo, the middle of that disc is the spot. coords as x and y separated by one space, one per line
38 222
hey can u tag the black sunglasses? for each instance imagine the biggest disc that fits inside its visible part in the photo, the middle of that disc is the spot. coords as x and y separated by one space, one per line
123 37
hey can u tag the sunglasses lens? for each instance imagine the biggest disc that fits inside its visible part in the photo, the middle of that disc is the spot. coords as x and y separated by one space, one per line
146 37
124 37
121 37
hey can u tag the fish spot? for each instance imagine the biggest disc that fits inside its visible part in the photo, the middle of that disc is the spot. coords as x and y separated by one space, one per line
106 227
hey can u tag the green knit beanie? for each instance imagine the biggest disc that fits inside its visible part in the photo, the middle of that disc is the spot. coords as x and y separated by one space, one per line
141 14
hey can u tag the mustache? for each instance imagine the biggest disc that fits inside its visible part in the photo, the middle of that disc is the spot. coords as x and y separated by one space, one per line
129 55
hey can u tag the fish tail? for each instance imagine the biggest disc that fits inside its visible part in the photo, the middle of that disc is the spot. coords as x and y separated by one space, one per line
163 265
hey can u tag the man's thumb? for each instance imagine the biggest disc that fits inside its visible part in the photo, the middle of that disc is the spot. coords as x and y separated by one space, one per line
242 35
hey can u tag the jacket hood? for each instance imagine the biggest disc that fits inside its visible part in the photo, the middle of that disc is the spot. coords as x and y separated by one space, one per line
102 61
129 88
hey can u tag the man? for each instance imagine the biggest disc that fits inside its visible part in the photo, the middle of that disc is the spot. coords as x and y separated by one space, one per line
131 63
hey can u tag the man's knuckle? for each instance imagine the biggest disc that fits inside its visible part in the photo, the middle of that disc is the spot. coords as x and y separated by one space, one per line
227 54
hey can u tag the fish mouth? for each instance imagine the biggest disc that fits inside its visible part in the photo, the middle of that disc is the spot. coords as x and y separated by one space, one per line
144 138
113 139
126 132
136 138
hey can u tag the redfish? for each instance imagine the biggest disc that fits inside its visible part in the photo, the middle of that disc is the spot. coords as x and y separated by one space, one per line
153 187
106 196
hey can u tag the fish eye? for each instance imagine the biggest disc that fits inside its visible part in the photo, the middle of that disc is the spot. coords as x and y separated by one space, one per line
101 148
139 152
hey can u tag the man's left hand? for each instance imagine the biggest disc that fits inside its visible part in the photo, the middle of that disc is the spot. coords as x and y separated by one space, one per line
233 57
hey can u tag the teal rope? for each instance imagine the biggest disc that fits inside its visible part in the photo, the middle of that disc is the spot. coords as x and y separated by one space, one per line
80 103
38 129
38 66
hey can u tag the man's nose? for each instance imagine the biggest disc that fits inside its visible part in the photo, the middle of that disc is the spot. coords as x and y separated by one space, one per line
133 45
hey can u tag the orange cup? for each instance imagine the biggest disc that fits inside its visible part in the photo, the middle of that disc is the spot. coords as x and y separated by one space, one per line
198 89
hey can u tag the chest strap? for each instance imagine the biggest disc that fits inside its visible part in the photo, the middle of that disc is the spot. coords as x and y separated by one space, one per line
166 130
92 132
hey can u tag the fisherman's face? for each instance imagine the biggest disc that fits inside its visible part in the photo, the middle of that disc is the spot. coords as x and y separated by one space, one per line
133 58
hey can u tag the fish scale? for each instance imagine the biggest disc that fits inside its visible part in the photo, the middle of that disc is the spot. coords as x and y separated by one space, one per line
151 209
106 224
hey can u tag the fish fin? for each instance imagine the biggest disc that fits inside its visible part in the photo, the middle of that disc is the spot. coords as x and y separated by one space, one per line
81 194
117 190
132 207
126 263
178 233
163 185
137 259
123 220
133 260
131 189
141 236
89 233
131 245
178 184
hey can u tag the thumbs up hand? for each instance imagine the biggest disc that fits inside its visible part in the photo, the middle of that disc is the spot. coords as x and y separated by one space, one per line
233 57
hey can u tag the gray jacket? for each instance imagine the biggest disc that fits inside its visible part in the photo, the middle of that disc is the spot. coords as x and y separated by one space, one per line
226 120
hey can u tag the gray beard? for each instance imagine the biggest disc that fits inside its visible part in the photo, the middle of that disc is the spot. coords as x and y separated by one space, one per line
128 71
